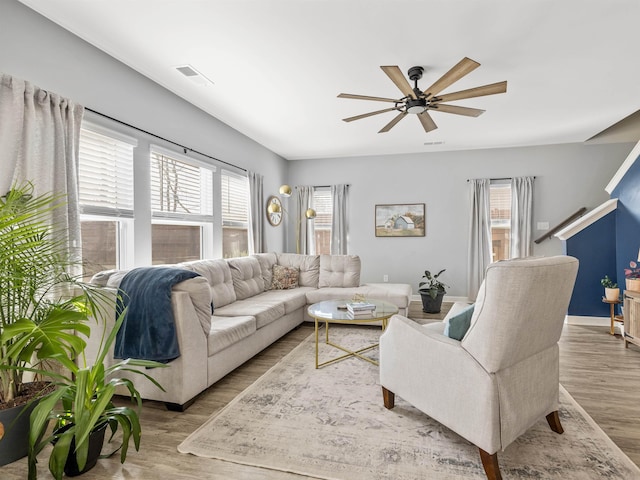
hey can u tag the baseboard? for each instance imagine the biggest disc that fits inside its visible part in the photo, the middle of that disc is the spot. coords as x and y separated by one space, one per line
587 321
447 298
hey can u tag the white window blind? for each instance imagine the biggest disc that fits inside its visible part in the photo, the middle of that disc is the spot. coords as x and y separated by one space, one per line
235 199
323 206
105 174
180 189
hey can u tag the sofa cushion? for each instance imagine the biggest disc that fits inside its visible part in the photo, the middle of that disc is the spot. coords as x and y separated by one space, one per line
284 278
309 266
339 271
267 261
397 293
264 309
292 300
225 331
218 275
247 277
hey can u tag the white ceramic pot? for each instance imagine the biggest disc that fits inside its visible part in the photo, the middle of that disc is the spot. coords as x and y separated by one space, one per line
612 294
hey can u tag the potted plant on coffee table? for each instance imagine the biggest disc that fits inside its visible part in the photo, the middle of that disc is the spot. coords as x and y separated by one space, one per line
432 291
82 408
42 306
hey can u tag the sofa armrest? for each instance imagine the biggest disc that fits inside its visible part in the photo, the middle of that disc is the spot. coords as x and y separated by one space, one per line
184 377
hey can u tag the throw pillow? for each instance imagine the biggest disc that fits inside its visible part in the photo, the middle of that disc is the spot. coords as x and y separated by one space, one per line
456 326
284 278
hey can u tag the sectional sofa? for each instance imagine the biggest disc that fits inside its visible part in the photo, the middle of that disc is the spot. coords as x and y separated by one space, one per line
235 308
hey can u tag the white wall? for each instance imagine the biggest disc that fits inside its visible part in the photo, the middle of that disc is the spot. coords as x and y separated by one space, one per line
35 49
567 177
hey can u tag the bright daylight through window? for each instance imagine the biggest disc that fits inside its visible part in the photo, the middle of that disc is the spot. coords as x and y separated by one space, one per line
235 215
106 197
500 204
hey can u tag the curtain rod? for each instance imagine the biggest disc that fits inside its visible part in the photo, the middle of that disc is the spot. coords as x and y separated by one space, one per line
502 178
323 186
184 149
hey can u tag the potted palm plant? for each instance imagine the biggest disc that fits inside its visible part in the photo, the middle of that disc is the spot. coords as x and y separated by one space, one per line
82 408
41 306
432 291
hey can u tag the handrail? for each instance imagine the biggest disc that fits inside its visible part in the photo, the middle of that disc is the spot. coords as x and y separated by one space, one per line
561 225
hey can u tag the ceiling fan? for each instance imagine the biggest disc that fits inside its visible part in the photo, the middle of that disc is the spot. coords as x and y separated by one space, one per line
419 102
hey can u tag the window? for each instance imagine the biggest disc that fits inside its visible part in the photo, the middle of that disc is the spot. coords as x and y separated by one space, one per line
106 197
182 208
323 205
235 215
500 205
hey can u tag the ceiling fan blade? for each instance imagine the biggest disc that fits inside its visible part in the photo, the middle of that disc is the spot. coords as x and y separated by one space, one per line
427 122
491 89
396 76
393 122
462 68
365 115
469 112
365 97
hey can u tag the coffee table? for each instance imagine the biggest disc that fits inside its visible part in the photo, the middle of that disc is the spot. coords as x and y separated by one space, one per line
328 312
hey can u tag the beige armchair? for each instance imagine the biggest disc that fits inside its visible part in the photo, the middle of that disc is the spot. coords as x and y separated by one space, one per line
503 376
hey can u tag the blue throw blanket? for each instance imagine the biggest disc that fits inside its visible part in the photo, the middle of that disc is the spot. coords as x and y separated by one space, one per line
148 331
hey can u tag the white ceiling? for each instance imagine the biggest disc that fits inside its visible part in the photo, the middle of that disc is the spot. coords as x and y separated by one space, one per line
572 66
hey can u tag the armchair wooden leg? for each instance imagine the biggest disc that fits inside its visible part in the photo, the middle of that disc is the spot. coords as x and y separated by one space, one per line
490 464
389 398
554 422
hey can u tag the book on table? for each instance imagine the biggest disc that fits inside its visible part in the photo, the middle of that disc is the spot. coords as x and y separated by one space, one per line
361 308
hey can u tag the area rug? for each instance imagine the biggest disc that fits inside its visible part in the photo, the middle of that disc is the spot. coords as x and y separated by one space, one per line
330 423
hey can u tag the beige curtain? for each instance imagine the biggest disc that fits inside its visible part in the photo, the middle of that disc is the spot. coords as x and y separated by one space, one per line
340 219
305 231
257 240
39 137
479 234
521 216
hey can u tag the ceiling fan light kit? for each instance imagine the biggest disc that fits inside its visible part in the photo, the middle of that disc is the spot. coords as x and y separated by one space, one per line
418 102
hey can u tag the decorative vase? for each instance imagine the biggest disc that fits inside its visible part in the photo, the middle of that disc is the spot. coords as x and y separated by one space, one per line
430 304
612 294
633 284
96 439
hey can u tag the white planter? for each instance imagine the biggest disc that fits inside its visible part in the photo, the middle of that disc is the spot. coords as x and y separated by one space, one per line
612 294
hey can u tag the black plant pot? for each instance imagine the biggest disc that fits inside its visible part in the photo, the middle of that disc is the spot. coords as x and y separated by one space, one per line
14 423
432 305
96 439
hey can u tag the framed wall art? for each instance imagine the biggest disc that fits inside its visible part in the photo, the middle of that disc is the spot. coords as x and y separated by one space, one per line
400 220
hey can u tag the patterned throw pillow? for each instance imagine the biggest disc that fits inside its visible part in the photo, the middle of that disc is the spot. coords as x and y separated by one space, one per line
284 278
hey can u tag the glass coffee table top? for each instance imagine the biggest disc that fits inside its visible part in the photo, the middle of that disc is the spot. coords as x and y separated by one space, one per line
334 311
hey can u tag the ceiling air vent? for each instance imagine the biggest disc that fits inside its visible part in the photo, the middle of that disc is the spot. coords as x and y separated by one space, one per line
194 75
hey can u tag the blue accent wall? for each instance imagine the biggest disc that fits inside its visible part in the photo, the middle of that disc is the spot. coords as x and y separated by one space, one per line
595 248
627 219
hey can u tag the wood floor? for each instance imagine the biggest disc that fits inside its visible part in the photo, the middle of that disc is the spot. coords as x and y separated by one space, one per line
595 368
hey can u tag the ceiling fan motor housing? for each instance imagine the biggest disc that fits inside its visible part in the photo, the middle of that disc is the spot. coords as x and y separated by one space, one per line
415 73
418 105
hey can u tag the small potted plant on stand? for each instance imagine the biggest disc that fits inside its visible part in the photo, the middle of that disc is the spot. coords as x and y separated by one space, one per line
611 290
432 292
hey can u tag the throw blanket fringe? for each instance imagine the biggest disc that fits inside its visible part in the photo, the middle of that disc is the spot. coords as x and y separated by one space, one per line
148 331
